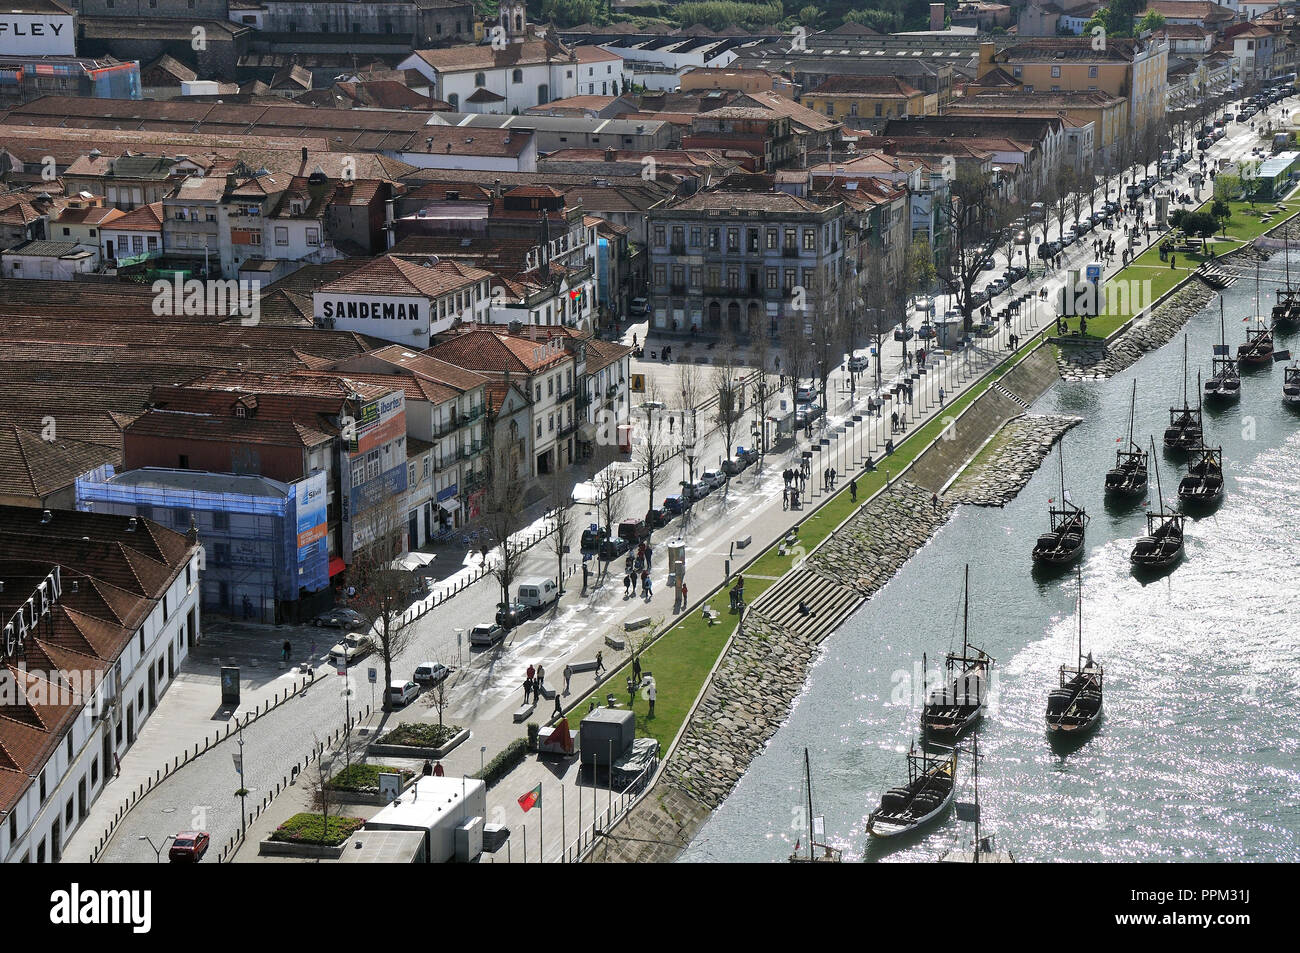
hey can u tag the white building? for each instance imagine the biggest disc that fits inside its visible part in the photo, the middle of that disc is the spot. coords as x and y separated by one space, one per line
402 301
71 712
510 75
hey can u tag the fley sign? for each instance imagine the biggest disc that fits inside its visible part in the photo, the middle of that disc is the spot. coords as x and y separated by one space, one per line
37 35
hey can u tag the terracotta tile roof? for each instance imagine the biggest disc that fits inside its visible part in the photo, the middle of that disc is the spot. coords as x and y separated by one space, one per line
34 468
864 84
424 364
146 218
478 56
397 276
601 354
498 353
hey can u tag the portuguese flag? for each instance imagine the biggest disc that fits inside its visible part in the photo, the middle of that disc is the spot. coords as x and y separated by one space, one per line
531 799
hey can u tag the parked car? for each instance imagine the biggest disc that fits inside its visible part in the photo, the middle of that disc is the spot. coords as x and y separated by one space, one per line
715 478
511 614
341 619
1132 191
674 504
732 465
633 530
996 286
430 674
1110 207
1068 238
658 516
402 693
805 393
591 538
699 489
903 333
538 593
859 363
926 332
989 265
1049 249
613 548
1082 227
639 307
354 646
806 414
486 633
189 846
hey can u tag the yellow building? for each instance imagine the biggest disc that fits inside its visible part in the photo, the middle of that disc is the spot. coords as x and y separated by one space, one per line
1107 112
868 97
1129 68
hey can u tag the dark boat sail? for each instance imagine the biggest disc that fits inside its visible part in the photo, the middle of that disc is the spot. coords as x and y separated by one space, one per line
1203 484
960 702
931 780
1063 542
1184 430
1162 546
1224 384
1258 349
1074 706
1128 478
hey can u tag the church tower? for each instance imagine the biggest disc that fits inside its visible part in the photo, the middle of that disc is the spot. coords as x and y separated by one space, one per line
513 17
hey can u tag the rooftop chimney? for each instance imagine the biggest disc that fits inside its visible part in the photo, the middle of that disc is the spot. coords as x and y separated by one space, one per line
936 16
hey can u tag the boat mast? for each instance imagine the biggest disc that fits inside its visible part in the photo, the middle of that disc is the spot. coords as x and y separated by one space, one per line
1257 321
807 774
1159 492
1132 403
975 754
965 614
1061 454
1079 572
1185 406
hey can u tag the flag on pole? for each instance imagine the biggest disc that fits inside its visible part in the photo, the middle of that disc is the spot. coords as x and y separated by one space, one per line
531 799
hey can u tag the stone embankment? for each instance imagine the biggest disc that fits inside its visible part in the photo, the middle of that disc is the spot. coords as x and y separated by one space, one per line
1098 360
1002 468
1084 361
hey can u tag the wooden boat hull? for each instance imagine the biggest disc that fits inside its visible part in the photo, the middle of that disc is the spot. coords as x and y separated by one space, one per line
1182 438
883 827
1223 392
1125 483
1073 729
1052 551
950 727
1149 554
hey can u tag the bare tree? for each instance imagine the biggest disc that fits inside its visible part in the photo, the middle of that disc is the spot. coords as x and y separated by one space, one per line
504 501
383 589
318 777
609 485
649 454
726 382
973 213
764 386
562 522
690 383
796 348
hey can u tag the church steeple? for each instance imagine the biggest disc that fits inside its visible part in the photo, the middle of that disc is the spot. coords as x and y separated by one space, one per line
513 18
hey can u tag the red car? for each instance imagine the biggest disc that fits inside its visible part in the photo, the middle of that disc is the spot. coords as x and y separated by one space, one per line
189 846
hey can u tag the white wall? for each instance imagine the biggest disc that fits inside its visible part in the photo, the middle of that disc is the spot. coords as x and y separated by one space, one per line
63 774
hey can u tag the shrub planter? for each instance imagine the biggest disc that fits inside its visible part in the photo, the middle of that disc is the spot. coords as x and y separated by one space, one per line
362 784
280 848
383 748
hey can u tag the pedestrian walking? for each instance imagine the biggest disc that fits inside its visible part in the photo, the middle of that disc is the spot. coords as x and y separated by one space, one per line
631 692
558 712
427 771
627 584
568 674
528 688
541 679
785 498
285 651
649 555
645 583
941 396
934 500
853 483
117 765
600 662
531 672
684 597
437 770
650 695
636 668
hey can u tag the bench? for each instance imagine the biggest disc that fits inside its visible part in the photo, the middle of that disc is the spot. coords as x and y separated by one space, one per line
711 616
615 643
522 712
640 622
576 667
744 541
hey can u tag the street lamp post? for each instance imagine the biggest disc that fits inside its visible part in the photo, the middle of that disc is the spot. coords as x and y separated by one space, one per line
157 851
243 789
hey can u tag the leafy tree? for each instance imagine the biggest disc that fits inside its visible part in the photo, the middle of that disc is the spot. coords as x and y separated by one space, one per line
572 12
1152 21
809 15
1221 211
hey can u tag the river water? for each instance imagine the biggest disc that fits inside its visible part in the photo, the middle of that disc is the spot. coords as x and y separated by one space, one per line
1196 756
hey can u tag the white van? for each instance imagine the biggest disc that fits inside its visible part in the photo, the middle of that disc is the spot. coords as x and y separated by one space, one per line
538 593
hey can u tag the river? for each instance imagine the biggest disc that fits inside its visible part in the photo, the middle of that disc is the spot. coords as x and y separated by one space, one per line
1196 756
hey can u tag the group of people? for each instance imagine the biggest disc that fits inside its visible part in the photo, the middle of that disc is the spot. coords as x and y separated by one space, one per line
829 476
533 683
630 580
790 494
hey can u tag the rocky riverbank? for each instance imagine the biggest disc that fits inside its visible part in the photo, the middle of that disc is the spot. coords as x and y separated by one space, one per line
1096 360
1084 361
1002 468
766 665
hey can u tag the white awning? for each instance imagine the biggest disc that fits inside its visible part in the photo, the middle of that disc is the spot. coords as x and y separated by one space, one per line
449 506
412 561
